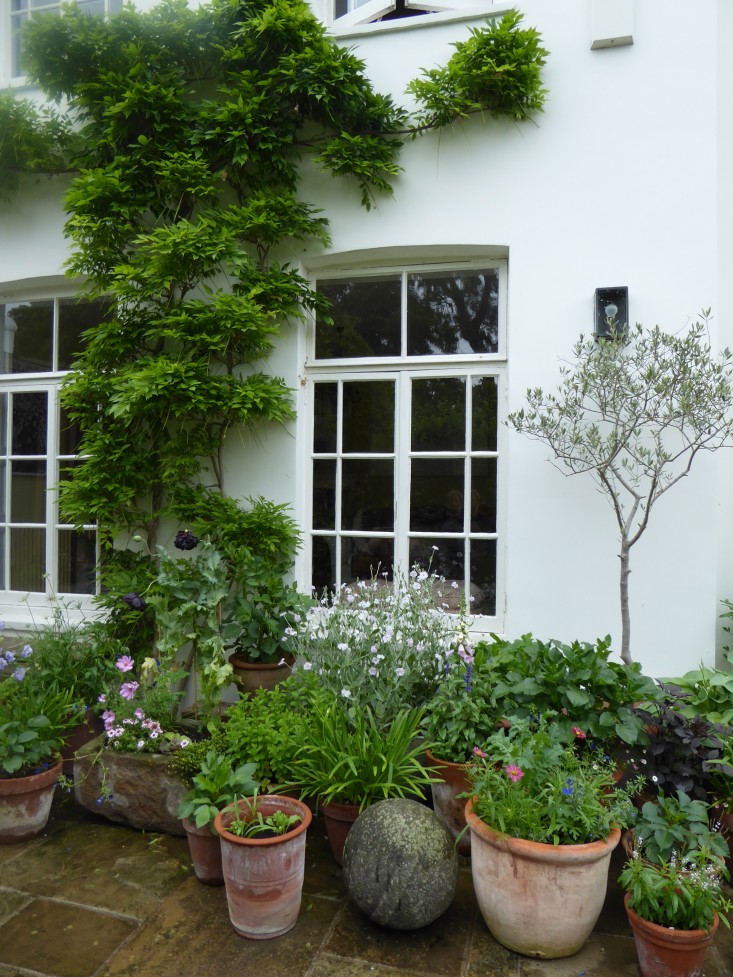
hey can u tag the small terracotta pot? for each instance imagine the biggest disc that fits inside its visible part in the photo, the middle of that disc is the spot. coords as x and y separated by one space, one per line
205 849
446 802
250 676
25 804
264 876
667 952
537 899
338 819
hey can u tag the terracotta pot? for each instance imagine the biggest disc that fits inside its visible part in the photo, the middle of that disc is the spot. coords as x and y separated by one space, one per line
667 952
79 736
250 676
446 802
264 876
338 819
25 804
205 849
536 899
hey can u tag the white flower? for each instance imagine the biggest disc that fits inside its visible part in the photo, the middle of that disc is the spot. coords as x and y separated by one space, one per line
346 693
399 672
140 744
307 666
454 584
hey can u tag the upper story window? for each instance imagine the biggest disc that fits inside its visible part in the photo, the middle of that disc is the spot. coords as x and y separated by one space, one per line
38 446
404 459
351 13
23 10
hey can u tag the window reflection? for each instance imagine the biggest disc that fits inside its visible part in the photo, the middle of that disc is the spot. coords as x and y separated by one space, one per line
453 312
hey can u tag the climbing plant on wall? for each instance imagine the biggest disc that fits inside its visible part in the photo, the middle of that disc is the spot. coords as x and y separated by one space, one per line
185 132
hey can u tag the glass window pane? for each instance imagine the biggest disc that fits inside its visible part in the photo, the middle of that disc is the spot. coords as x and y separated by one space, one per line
28 491
366 318
368 417
439 414
446 558
362 559
77 558
452 312
324 494
324 417
27 559
483 495
3 424
367 495
74 318
3 540
30 417
483 426
27 334
436 495
323 563
3 475
483 576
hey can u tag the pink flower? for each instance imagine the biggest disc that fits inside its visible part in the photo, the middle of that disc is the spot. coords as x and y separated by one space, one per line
139 713
108 717
578 732
128 689
125 664
102 698
513 772
477 752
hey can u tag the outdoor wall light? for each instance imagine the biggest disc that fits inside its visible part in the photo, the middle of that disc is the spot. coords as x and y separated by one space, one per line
612 311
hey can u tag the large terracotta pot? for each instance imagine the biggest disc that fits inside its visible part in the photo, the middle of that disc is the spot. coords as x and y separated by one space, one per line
264 876
446 800
205 849
667 952
536 899
338 819
250 676
25 804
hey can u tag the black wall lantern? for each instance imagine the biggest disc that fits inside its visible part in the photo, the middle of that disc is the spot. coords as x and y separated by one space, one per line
612 311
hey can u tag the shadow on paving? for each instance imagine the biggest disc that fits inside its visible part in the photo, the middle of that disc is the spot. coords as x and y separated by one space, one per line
93 899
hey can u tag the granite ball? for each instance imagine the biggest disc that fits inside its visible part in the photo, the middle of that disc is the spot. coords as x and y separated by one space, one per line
400 864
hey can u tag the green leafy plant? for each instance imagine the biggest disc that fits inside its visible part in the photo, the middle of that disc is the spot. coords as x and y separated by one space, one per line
34 722
633 412
215 786
676 864
356 761
249 822
527 783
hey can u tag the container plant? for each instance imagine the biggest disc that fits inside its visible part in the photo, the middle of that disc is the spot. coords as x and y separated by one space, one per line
214 787
33 724
263 861
544 821
674 900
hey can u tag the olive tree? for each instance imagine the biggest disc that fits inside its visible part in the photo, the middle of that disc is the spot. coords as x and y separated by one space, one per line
633 412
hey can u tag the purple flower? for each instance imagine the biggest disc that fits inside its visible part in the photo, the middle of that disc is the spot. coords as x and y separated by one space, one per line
125 664
185 540
3 663
26 652
9 656
19 674
135 602
128 689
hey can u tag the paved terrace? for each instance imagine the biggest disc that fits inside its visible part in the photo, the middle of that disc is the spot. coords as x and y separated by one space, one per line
91 899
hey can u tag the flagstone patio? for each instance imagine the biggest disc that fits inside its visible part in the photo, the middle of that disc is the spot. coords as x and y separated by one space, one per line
93 899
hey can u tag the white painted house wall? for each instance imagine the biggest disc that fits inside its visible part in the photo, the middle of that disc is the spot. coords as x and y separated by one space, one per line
623 180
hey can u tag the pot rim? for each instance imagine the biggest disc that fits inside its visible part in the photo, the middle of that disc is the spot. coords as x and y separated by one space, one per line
590 851
680 935
440 762
293 805
34 781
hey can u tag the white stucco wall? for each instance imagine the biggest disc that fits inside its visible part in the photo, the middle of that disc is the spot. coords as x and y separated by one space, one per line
621 181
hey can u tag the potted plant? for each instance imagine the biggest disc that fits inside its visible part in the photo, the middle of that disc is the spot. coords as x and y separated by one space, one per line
673 899
346 761
544 820
263 861
215 786
32 729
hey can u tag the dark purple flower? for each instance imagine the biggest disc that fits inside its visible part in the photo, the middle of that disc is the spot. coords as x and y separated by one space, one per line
185 540
135 602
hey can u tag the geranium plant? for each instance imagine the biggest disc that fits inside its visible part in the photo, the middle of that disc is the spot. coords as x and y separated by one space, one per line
527 783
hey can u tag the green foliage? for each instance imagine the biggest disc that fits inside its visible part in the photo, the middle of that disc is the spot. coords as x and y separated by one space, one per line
33 140
527 783
35 721
496 71
677 823
215 786
248 821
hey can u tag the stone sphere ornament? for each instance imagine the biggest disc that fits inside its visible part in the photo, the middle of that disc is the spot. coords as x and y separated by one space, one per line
400 864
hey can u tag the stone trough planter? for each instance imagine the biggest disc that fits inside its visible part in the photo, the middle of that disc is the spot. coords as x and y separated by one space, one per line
143 792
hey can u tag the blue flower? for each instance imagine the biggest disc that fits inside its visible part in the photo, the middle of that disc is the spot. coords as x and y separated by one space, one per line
19 674
568 788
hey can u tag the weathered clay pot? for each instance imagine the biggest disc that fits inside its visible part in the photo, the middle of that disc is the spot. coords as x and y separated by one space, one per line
539 900
264 876
141 790
667 952
338 819
446 802
205 849
250 676
25 804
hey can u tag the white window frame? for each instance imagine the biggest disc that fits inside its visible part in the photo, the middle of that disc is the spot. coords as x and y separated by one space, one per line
369 12
404 369
17 607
